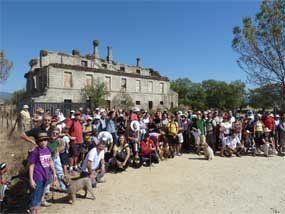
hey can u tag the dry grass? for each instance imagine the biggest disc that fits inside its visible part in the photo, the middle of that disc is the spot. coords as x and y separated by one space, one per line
13 151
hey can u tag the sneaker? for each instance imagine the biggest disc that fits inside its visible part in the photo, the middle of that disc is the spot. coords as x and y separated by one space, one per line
101 180
45 204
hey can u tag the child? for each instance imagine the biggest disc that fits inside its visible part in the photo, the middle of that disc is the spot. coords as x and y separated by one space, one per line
40 168
3 182
64 153
55 146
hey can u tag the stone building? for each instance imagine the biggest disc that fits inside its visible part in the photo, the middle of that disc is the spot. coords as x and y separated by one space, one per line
57 77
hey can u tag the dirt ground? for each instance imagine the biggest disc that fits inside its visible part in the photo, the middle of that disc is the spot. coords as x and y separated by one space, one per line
186 184
189 184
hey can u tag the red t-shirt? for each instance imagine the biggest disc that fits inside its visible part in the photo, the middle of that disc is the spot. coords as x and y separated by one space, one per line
75 130
145 147
134 116
269 123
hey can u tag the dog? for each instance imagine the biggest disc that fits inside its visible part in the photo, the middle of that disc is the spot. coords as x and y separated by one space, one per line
208 151
73 186
164 151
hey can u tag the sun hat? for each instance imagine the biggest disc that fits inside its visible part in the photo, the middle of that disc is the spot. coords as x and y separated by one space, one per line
136 109
97 117
40 110
42 136
135 125
25 106
89 118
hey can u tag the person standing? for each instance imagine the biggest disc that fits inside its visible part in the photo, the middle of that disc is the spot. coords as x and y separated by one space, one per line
76 133
172 131
25 119
40 168
281 135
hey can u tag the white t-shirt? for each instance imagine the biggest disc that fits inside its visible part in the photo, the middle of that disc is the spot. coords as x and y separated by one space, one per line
231 142
94 157
227 127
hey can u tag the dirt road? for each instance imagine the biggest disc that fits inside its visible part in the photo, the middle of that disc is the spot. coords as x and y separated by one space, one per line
189 184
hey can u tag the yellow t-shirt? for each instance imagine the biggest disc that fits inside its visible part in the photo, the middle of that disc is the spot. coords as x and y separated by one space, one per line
259 126
172 128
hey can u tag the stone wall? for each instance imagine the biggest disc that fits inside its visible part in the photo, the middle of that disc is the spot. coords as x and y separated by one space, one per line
57 93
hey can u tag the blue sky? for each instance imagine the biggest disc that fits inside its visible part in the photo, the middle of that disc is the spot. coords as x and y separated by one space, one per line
180 39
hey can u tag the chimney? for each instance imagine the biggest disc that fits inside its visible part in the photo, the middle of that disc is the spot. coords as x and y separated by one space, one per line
109 54
75 52
95 48
138 62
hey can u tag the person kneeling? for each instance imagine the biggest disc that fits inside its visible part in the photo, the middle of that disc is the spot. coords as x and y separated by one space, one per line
94 164
121 155
232 145
148 153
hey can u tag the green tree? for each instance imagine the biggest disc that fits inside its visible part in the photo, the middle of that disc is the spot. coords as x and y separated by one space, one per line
5 67
222 95
263 97
196 96
123 101
182 86
261 46
96 94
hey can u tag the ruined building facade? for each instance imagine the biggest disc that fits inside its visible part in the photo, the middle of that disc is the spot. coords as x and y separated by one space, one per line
57 77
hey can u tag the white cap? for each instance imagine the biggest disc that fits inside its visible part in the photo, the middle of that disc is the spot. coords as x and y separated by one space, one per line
89 118
72 111
25 106
97 117
102 110
136 109
277 115
271 115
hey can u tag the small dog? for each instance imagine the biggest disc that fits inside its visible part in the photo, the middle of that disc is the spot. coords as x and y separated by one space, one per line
73 186
208 151
164 152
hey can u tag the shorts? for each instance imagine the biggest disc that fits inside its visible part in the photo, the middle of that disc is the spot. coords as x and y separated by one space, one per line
64 158
75 150
37 194
172 140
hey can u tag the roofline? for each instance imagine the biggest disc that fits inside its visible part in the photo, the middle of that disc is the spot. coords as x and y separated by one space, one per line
104 71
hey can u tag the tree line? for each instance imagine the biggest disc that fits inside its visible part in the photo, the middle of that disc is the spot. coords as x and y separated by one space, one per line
223 95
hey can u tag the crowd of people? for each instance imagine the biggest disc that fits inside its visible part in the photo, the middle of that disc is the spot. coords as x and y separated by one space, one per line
92 143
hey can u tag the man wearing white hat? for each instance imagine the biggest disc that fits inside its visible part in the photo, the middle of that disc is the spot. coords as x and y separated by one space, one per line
25 119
